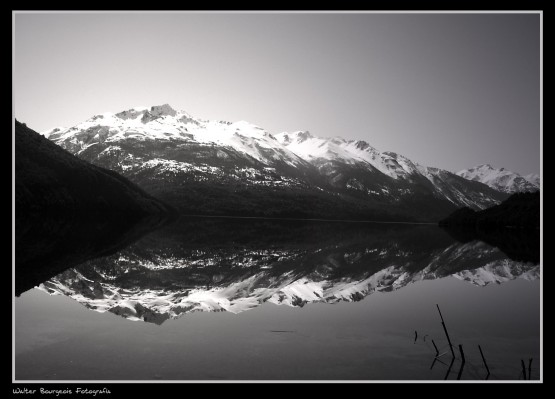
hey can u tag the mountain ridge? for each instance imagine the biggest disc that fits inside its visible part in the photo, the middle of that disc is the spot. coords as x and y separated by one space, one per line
237 168
501 179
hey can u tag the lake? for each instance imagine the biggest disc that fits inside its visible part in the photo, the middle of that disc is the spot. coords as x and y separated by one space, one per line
238 299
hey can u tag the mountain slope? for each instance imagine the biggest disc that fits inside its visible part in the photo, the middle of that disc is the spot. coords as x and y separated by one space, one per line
356 165
501 179
224 168
50 179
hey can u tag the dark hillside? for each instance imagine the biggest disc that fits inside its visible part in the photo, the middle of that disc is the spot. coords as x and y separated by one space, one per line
520 210
50 179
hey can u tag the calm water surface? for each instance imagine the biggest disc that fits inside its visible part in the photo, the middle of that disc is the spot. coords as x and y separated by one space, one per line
212 299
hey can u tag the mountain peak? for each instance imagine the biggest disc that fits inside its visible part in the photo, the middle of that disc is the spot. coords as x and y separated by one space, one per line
361 144
131 113
500 179
304 135
162 110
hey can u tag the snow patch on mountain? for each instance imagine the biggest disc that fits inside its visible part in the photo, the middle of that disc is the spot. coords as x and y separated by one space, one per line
204 172
49 132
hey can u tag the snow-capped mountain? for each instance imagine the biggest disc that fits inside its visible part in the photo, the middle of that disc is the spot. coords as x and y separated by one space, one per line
218 167
501 179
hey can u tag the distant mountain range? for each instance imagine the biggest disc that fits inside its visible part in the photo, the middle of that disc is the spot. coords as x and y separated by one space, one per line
502 179
224 168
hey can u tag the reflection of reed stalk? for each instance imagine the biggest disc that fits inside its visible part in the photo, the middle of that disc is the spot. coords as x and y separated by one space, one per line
446 333
484 359
462 363
529 368
450 366
437 351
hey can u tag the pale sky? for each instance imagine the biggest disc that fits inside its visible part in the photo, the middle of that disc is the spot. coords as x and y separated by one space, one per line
445 90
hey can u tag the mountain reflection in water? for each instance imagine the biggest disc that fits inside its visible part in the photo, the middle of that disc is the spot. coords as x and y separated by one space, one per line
213 264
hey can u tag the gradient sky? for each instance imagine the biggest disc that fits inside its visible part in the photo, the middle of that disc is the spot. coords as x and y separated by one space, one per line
446 90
